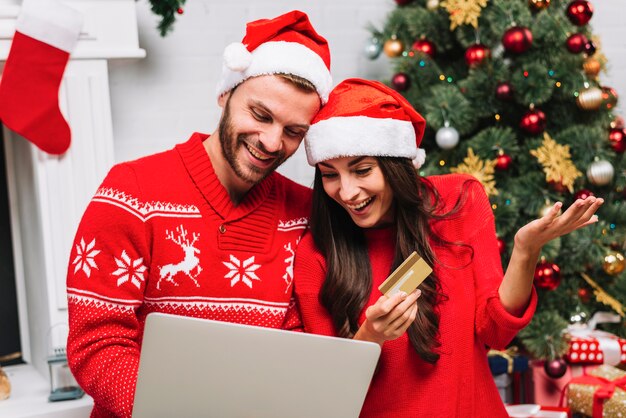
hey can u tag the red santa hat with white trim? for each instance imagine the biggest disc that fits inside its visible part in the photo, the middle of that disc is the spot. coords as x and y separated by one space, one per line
287 44
365 117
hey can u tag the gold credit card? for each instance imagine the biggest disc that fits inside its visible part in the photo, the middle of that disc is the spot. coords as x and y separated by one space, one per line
407 276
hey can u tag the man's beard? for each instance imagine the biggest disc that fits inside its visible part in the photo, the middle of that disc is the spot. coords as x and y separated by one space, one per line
230 145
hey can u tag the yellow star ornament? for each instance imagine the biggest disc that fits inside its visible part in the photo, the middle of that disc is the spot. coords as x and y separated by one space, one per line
464 11
556 162
482 170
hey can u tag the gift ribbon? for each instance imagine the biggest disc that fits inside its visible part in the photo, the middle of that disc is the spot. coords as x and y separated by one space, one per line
507 354
604 392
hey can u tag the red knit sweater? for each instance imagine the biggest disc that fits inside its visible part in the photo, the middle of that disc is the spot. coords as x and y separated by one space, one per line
460 384
162 235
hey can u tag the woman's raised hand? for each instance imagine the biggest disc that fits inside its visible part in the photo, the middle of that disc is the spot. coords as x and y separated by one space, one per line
534 235
389 317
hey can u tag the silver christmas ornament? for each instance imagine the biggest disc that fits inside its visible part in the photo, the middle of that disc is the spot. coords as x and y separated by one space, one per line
447 137
432 4
373 48
600 173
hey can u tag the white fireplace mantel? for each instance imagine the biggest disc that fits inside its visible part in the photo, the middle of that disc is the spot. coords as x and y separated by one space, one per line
48 194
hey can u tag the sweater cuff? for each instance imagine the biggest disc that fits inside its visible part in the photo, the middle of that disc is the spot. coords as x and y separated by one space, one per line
506 319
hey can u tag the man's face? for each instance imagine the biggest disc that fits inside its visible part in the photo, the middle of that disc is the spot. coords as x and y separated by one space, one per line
264 121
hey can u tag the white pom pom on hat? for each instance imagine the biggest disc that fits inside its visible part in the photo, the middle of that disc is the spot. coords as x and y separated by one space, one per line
419 161
237 57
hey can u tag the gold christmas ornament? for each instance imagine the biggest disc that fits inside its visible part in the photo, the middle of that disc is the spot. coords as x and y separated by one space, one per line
592 67
393 47
556 162
464 12
482 170
613 263
432 4
589 98
538 4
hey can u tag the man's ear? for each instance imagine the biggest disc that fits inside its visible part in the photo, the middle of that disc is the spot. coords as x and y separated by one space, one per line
222 99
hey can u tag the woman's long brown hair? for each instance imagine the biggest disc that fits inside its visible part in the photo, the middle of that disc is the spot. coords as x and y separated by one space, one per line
348 282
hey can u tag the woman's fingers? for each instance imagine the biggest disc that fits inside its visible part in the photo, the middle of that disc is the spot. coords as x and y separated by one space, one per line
384 305
388 315
402 322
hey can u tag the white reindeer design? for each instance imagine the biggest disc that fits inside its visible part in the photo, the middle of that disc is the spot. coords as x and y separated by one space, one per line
189 263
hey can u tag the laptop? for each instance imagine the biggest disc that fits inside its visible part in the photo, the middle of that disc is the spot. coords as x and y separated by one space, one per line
193 367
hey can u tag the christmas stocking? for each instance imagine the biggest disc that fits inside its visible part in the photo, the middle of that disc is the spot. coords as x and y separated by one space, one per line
46 32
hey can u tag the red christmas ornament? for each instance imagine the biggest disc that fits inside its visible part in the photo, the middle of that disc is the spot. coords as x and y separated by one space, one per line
555 368
557 186
425 46
403 2
547 275
583 194
504 91
517 39
180 11
501 245
400 82
579 12
476 54
576 43
584 295
503 162
617 138
533 122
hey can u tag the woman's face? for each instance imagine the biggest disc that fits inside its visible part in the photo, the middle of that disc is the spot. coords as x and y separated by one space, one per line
358 185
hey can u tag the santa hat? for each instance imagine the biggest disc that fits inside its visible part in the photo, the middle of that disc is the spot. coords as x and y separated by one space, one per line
364 117
287 44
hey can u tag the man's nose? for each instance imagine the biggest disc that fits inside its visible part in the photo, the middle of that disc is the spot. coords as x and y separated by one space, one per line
272 139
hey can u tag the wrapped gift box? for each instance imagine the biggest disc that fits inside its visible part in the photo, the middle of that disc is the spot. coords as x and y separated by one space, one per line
600 394
536 411
600 348
589 345
547 390
510 371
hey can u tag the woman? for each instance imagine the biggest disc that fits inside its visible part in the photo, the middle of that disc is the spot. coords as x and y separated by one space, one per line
371 210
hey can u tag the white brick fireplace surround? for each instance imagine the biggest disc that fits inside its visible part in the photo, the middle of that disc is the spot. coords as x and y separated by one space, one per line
48 194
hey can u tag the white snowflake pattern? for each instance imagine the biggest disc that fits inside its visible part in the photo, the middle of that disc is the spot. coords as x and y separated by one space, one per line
128 269
241 271
85 254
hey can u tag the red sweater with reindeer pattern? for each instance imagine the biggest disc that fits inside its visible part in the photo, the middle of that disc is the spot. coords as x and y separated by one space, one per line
162 235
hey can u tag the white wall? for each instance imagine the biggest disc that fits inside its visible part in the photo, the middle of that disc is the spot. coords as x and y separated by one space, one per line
158 101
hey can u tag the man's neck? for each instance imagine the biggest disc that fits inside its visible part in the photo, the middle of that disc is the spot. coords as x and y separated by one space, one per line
235 187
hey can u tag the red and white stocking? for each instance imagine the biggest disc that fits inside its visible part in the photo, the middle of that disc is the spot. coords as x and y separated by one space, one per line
46 33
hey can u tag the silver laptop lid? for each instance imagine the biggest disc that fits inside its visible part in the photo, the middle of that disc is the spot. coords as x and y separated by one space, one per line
193 367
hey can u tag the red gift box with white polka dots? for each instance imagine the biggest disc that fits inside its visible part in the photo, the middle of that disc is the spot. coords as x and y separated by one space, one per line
593 351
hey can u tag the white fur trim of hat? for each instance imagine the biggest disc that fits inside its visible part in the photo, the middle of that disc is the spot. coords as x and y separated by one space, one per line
273 58
347 136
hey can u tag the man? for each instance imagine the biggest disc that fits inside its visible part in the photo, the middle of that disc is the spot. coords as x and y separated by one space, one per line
207 229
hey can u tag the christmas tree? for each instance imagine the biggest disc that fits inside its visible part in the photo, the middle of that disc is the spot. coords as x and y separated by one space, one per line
511 94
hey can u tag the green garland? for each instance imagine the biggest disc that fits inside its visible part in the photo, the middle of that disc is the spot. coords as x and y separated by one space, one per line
167 9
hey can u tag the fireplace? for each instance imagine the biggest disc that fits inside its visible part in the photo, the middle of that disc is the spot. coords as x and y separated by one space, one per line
47 194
